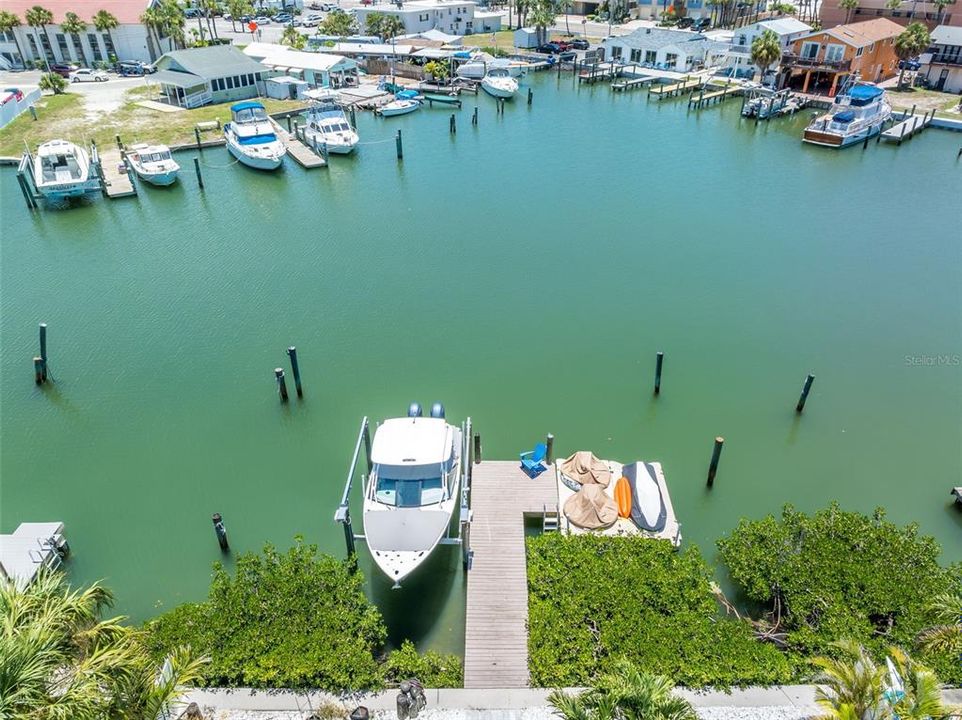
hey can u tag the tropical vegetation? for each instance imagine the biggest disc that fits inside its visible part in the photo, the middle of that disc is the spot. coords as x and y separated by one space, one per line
386 27
291 36
52 82
72 25
9 21
39 17
106 22
338 23
60 658
766 51
912 41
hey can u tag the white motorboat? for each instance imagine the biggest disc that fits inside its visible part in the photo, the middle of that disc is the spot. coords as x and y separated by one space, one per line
251 137
499 83
62 170
478 67
328 125
403 103
858 113
153 164
412 489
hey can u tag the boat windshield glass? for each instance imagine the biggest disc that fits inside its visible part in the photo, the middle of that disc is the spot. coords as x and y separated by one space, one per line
155 157
409 486
250 115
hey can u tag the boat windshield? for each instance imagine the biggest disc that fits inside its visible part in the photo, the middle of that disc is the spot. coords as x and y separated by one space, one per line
154 157
250 114
412 486
335 126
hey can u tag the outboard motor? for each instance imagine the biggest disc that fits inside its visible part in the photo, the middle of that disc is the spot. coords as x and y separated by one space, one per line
414 410
437 410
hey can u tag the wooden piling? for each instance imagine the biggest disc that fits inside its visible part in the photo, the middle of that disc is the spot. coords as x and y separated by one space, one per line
197 136
804 396
281 383
353 118
530 95
120 145
38 374
659 361
221 532
200 178
295 370
715 455
288 123
43 349
25 189
549 444
400 146
474 119
477 447
453 125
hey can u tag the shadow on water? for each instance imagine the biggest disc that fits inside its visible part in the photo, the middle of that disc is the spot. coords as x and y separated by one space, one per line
411 611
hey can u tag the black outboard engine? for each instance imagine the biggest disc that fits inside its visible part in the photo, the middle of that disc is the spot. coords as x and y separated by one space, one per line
414 410
437 410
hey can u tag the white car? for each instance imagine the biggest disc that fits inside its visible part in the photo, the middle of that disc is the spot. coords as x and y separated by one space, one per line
88 75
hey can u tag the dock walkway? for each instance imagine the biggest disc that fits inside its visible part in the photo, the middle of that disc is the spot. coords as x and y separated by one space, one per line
116 183
496 633
677 88
703 99
304 155
907 128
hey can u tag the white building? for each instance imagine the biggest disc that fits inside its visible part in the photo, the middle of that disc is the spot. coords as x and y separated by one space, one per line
788 30
129 41
680 50
454 17
942 64
316 69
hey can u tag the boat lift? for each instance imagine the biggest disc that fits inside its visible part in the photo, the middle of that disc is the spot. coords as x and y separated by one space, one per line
343 512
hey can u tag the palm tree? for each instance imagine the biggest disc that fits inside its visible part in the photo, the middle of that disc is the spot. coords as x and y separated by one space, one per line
73 26
892 4
940 4
57 85
40 17
391 27
923 693
565 7
909 43
624 694
852 686
543 15
946 634
849 6
9 21
59 659
293 38
153 20
105 22
766 51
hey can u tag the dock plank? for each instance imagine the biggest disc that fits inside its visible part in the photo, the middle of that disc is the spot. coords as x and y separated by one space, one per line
117 183
302 154
907 128
496 623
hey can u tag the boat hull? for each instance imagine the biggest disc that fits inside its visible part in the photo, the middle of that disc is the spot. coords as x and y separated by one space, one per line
251 161
57 193
395 111
836 140
498 92
163 179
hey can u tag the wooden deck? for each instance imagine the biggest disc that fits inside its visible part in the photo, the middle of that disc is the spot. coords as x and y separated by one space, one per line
703 99
907 128
496 633
116 183
623 85
661 91
302 154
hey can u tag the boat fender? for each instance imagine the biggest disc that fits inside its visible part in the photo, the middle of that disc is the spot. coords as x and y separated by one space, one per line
414 410
623 497
437 410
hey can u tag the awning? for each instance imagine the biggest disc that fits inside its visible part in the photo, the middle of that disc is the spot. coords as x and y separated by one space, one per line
178 79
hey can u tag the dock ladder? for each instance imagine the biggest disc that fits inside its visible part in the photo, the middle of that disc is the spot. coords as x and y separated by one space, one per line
550 521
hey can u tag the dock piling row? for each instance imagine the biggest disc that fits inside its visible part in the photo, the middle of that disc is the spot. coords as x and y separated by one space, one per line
295 370
281 383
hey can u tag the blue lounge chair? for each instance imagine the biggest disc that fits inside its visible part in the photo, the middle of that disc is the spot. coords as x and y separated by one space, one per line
533 462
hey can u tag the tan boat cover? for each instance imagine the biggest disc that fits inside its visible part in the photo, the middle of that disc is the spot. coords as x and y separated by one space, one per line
584 468
591 509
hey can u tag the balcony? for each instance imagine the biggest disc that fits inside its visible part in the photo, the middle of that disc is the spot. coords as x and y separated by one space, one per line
939 59
791 60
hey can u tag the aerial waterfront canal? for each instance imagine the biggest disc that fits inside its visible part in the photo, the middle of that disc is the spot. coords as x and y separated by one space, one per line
524 273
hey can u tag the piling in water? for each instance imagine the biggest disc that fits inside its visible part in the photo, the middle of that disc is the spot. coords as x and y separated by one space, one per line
38 374
453 125
353 119
197 136
295 370
715 455
659 361
281 383
221 532
549 445
400 146
477 447
200 178
288 123
531 92
804 396
474 117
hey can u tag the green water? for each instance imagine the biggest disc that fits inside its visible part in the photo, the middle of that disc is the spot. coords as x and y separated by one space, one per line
524 272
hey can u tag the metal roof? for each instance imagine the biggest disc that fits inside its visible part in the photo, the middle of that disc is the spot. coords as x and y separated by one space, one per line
785 26
211 62
178 79
947 35
655 38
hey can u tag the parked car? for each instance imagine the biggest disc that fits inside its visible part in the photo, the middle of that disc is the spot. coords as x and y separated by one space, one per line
262 20
15 94
549 48
62 69
283 18
685 22
701 24
579 44
913 65
88 75
129 69
323 7
191 12
567 56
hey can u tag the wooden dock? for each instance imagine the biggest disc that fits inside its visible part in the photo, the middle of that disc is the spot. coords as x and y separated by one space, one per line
115 182
677 88
704 99
304 155
623 85
495 632
907 128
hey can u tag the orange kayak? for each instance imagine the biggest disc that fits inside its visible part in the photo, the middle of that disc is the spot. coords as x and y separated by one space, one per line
623 497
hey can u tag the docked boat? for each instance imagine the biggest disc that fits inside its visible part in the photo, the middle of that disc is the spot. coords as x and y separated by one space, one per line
403 103
153 164
62 170
412 489
478 67
328 125
499 83
251 138
859 112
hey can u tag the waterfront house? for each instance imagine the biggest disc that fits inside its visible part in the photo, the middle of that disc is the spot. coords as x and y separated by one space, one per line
680 50
739 57
821 61
200 76
455 17
942 63
831 14
128 41
654 9
316 69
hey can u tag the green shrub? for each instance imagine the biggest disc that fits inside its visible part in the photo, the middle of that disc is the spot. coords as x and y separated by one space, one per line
296 619
432 669
53 82
838 574
592 599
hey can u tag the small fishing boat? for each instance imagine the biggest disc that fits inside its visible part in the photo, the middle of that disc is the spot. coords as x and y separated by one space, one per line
61 170
499 83
153 164
412 489
478 67
858 113
328 125
403 103
251 138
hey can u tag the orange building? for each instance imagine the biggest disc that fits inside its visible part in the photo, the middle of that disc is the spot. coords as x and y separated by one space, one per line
822 60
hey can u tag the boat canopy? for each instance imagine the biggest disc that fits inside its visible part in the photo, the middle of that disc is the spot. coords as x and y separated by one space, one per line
406 95
248 112
260 139
864 94
413 441
844 117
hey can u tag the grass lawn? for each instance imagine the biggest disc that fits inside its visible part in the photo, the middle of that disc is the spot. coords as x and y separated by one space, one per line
63 116
925 101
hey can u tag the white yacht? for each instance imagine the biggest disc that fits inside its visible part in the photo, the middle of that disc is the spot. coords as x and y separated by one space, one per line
251 137
859 111
328 125
62 170
403 103
499 83
412 490
153 164
478 67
